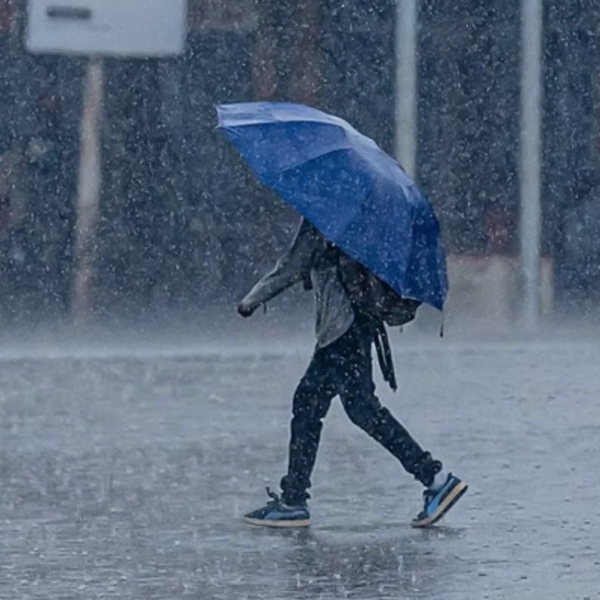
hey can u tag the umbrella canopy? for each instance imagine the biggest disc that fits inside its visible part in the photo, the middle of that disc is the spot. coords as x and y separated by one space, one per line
348 188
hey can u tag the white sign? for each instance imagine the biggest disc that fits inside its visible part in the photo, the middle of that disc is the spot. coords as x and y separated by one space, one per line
135 28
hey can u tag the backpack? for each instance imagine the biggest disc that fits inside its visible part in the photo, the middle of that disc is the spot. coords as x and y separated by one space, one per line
378 302
373 297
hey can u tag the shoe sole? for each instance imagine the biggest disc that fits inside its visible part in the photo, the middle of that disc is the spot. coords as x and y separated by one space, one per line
453 497
277 524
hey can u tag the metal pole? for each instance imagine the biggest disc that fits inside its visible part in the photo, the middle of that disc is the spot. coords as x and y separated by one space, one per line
531 152
406 84
88 189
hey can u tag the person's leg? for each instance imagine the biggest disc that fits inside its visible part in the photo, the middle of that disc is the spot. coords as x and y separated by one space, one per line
310 405
365 410
312 400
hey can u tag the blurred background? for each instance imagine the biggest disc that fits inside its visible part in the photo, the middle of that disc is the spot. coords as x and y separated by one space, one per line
182 224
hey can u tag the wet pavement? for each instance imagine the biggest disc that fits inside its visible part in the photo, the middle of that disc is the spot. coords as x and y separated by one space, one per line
123 474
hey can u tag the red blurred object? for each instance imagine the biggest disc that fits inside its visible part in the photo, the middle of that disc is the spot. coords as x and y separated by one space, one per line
8 9
501 229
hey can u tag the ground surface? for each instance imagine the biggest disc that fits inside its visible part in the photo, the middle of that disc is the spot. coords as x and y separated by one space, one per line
124 473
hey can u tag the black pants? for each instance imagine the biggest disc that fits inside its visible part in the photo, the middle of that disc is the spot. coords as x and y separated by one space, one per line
345 368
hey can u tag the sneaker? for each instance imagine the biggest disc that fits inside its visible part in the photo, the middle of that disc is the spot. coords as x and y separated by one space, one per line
278 514
438 503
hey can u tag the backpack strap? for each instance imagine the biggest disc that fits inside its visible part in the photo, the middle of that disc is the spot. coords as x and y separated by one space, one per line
377 329
384 356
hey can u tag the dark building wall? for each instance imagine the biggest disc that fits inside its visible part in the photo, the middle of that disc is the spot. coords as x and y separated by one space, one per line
571 131
468 119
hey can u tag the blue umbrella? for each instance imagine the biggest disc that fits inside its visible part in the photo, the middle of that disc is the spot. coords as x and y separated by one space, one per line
348 188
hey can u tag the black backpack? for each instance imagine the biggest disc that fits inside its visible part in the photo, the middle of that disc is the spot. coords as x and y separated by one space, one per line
372 296
377 302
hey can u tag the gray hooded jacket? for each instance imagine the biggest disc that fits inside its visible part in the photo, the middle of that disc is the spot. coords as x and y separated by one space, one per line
305 258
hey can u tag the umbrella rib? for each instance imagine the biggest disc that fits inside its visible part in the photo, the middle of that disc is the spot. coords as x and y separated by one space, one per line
310 160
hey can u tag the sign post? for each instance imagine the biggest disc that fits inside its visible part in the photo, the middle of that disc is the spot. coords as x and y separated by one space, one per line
88 188
98 28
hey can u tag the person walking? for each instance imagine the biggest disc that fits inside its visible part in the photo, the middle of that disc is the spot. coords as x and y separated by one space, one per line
347 327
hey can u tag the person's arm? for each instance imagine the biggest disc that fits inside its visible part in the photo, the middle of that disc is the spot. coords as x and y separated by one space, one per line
290 269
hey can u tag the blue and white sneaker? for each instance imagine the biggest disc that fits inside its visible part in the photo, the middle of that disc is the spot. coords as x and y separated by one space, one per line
438 503
278 514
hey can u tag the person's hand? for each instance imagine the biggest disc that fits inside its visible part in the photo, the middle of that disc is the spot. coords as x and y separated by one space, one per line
245 310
